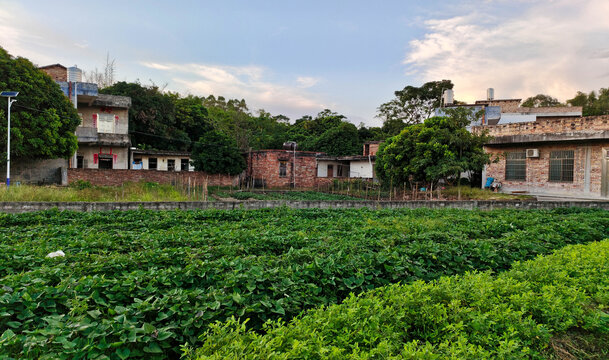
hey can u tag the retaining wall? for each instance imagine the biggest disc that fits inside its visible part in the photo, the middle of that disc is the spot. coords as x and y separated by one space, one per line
20 207
116 177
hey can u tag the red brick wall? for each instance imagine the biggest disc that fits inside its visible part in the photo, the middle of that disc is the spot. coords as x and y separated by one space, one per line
548 126
537 169
263 165
116 177
57 73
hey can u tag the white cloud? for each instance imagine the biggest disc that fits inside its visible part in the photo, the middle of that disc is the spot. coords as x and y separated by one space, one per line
306 81
555 47
247 82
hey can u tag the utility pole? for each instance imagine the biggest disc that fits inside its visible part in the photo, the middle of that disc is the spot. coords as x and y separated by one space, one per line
9 95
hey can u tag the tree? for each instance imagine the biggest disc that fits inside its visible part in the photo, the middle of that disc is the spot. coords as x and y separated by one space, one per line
591 103
411 105
43 120
541 100
104 78
439 148
342 140
217 153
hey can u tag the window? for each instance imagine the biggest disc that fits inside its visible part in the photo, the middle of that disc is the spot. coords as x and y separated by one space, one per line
105 163
105 123
339 170
171 165
80 161
515 165
184 165
283 168
367 149
561 165
152 163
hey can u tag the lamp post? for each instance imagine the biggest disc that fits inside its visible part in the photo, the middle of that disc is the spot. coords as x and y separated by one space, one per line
9 95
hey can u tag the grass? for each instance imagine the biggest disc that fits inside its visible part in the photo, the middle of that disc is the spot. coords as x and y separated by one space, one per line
143 191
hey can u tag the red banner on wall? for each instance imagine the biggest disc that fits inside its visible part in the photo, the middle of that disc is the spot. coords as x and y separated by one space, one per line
95 158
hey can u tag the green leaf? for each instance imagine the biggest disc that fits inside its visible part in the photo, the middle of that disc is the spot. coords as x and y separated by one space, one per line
153 348
123 353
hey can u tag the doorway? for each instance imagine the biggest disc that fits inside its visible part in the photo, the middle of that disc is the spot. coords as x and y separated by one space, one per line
605 173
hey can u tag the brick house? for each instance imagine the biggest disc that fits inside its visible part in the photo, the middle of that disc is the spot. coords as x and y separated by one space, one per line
282 168
552 155
103 134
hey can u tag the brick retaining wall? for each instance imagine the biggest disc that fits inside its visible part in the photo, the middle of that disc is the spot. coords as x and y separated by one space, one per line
115 177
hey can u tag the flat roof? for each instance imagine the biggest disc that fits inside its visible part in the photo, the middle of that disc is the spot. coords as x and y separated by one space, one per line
160 152
54 65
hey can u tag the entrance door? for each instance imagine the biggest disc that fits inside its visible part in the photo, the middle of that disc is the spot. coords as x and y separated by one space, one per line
605 173
330 170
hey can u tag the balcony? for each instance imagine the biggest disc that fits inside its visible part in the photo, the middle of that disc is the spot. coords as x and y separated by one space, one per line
90 136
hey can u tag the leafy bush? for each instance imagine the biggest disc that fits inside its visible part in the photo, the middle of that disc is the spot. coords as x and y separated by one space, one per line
81 184
146 282
474 316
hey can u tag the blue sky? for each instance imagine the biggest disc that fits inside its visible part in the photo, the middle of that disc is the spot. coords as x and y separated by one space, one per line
297 58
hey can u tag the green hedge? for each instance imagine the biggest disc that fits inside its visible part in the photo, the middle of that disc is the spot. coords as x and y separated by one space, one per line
473 316
143 283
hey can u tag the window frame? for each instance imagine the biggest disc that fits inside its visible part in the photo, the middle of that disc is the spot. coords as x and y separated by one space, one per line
283 168
564 160
518 159
156 163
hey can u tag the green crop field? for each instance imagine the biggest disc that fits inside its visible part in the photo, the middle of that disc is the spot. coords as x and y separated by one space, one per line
142 284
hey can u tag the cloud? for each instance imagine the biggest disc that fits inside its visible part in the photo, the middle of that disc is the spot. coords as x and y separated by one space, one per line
555 47
248 82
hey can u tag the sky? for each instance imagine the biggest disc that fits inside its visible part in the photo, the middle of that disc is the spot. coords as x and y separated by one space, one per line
299 57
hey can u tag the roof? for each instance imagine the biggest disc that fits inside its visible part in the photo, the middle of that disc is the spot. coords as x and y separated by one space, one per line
497 100
54 65
347 158
160 152
373 142
112 101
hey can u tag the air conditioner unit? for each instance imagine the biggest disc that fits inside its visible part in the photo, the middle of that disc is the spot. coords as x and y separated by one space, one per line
532 153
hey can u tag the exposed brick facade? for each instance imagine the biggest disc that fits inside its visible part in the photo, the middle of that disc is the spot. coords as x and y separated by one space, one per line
114 177
549 126
56 72
371 148
264 168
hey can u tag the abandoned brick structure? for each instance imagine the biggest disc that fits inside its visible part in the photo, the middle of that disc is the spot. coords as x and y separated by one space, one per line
565 156
282 168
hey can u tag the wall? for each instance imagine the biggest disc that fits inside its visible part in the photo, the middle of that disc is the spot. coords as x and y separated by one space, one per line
586 176
118 177
21 207
549 126
263 165
87 112
122 155
322 168
361 169
36 172
56 72
162 161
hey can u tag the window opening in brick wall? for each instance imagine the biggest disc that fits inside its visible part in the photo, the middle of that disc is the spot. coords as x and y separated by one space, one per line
561 165
283 168
171 165
184 165
152 163
515 165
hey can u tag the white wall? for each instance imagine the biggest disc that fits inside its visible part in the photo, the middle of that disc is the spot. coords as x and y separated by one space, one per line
322 168
161 162
361 169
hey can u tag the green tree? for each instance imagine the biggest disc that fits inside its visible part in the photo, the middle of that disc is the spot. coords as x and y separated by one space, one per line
217 153
342 140
541 100
43 120
591 103
411 105
439 148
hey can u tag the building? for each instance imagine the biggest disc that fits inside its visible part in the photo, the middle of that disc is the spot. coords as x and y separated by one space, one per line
160 160
103 135
507 111
282 168
567 156
356 166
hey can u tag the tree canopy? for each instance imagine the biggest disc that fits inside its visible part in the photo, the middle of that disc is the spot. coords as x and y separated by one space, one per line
438 148
592 103
541 100
411 105
217 153
43 120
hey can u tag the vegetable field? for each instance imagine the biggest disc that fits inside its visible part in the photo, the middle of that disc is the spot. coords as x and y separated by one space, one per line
141 284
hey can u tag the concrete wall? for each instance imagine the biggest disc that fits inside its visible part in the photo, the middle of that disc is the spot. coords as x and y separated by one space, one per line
37 172
322 168
21 207
361 169
586 175
86 112
118 177
88 152
162 161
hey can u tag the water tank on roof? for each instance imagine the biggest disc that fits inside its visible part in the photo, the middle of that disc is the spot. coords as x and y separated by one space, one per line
289 145
74 74
490 94
448 97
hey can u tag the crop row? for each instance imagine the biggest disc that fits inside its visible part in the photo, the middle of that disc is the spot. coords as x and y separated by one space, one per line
473 316
142 283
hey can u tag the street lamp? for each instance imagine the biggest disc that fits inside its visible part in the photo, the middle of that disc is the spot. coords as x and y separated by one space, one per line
9 95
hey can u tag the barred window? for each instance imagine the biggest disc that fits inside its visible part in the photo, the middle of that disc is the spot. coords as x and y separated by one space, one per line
515 165
283 168
561 165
